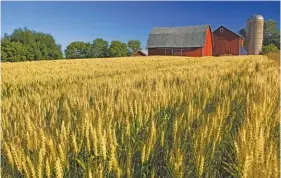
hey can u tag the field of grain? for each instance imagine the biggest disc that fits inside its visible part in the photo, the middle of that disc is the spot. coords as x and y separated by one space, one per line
141 117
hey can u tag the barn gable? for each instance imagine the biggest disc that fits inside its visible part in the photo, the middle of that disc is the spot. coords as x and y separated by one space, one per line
177 37
227 42
217 30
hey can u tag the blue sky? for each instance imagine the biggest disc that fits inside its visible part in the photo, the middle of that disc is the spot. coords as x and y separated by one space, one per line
85 21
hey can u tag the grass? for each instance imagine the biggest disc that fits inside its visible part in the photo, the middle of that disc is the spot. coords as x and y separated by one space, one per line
141 117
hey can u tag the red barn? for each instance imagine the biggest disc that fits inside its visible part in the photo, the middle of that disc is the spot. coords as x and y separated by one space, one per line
227 42
181 41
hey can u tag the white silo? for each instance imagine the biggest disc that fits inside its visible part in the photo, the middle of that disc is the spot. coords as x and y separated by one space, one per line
254 34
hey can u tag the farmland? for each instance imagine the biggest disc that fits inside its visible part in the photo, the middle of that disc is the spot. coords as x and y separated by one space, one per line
141 117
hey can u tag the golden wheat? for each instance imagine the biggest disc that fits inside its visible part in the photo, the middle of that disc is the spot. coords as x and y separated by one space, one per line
141 117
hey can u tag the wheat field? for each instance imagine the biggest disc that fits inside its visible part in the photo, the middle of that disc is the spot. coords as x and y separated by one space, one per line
141 117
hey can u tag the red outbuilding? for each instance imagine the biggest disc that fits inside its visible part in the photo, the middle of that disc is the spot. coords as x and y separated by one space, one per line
140 53
227 42
192 41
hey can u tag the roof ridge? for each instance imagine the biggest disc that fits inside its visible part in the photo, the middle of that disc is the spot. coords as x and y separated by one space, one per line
185 26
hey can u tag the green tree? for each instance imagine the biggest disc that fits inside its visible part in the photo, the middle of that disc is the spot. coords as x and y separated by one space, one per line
12 51
31 45
99 48
134 46
6 36
242 32
118 49
271 34
78 49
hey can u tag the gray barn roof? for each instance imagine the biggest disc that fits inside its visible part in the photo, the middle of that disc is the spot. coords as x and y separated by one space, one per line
145 52
177 37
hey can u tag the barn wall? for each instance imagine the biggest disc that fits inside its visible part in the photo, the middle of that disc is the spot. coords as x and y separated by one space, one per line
226 43
194 52
208 48
156 52
241 42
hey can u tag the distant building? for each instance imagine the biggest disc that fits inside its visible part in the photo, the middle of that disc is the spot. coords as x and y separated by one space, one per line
227 42
181 41
140 53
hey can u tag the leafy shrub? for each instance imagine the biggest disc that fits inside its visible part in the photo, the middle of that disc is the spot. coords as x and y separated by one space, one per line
271 48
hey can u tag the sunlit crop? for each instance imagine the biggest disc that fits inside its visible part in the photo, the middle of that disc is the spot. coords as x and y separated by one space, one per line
141 117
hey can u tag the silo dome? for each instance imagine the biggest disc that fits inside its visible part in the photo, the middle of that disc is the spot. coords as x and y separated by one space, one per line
257 17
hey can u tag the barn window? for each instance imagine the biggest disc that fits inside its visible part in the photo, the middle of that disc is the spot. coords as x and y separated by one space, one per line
221 30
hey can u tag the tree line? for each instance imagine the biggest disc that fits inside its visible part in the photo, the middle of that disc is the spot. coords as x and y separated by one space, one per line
271 36
100 48
28 45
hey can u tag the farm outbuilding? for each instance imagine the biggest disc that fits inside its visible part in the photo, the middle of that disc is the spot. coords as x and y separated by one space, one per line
140 53
227 42
192 41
